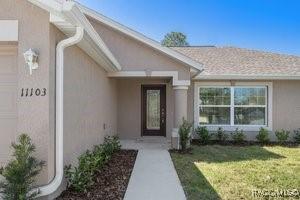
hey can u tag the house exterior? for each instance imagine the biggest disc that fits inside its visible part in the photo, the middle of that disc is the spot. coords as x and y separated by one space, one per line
95 77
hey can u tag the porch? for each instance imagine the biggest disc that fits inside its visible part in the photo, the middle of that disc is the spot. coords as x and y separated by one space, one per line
150 109
146 142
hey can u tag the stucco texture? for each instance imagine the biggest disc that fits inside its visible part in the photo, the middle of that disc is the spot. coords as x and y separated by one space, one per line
90 102
136 56
33 112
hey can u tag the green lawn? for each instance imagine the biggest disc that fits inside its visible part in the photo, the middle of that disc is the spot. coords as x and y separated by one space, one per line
231 172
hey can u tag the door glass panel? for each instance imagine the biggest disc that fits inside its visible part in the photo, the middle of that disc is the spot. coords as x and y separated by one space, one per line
153 109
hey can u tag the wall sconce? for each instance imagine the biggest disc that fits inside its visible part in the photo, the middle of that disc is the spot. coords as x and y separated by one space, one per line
31 60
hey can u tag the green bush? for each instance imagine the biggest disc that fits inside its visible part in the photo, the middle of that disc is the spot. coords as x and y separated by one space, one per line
238 136
184 133
80 178
20 173
203 134
282 135
263 135
297 136
220 135
110 145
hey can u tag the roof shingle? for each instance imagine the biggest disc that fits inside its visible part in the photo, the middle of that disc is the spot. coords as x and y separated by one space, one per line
238 61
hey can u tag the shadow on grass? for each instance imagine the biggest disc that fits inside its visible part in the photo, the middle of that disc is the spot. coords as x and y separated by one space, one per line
202 189
218 154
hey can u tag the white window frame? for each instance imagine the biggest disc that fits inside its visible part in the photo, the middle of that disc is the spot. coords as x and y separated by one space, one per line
232 85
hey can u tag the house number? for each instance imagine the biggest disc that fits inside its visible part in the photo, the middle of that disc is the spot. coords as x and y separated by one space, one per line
29 92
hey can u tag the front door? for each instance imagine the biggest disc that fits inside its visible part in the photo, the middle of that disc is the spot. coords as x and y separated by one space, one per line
153 110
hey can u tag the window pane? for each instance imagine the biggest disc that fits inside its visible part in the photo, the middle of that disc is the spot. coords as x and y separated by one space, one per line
249 116
250 96
214 115
153 109
214 96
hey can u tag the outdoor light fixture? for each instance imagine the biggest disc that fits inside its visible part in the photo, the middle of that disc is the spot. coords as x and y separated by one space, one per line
31 60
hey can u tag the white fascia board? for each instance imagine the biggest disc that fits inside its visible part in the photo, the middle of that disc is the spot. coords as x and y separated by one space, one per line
246 77
140 37
77 18
156 74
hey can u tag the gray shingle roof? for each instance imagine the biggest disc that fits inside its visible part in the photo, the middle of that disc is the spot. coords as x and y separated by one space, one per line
238 61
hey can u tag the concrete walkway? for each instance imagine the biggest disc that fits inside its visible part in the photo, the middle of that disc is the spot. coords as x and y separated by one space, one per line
154 177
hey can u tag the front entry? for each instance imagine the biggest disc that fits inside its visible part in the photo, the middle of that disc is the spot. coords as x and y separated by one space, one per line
153 110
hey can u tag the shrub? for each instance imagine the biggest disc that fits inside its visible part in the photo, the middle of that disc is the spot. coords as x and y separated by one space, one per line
297 136
184 133
111 145
282 135
20 172
263 135
238 136
221 135
80 178
203 134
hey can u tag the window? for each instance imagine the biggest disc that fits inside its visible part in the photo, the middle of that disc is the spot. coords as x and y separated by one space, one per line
232 106
250 106
214 105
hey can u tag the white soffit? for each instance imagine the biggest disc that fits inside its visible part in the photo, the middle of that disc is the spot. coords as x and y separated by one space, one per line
9 31
87 44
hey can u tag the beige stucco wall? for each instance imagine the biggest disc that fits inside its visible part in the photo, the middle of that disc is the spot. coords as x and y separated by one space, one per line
90 102
33 112
129 107
134 55
286 106
90 111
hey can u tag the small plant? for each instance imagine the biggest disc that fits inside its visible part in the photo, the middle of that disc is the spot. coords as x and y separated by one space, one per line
203 134
221 135
111 145
263 135
282 135
20 173
184 133
297 135
238 136
80 178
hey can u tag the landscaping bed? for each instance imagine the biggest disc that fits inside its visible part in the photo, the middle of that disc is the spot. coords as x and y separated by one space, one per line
111 181
244 143
237 172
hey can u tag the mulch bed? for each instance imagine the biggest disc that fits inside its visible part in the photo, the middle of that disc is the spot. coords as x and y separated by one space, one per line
111 181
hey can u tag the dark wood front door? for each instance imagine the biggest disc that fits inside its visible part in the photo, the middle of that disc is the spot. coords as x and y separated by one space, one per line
153 110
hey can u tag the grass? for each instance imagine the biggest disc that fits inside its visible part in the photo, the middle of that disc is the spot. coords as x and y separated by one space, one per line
232 172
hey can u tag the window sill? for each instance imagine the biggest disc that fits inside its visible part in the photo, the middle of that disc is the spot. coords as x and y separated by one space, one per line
233 128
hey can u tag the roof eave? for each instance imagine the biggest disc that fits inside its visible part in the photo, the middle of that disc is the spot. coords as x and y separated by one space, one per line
66 16
247 77
73 13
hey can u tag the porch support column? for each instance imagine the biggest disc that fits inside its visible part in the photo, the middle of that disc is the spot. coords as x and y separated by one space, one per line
180 111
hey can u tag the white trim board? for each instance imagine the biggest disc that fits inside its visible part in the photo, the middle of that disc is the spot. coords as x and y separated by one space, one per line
9 31
157 74
246 77
235 84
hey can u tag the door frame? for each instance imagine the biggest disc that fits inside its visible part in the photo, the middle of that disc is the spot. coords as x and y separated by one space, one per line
163 104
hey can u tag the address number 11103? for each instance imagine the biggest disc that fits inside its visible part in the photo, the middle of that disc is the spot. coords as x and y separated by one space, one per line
29 92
